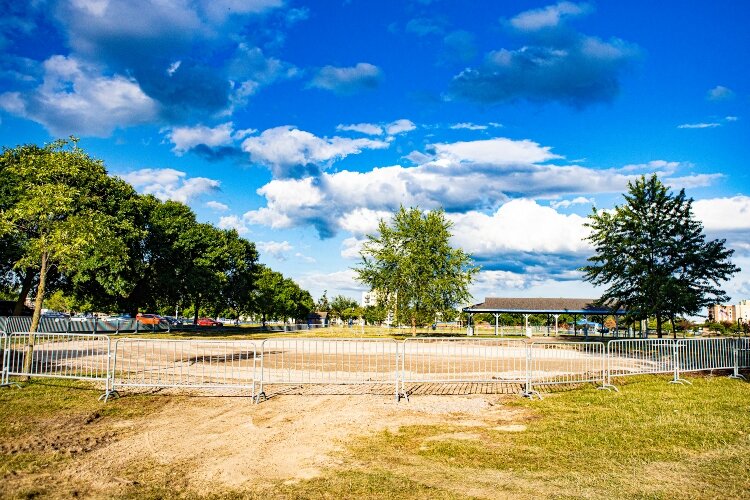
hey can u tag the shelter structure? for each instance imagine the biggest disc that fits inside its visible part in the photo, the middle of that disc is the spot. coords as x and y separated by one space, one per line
552 307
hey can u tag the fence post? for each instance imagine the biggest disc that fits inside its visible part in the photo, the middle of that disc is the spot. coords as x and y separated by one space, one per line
262 372
606 376
529 392
676 360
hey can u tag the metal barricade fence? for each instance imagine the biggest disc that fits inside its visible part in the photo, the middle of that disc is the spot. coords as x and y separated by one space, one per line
83 356
346 361
639 357
554 363
3 359
705 354
197 364
462 360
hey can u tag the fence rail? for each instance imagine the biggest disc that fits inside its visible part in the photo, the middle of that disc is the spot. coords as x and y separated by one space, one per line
255 367
330 361
202 364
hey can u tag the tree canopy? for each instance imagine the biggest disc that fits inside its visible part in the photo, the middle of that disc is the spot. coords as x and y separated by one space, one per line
413 267
652 254
69 229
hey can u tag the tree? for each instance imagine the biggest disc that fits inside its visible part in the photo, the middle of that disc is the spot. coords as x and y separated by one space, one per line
414 268
323 305
374 315
653 255
342 307
265 299
57 212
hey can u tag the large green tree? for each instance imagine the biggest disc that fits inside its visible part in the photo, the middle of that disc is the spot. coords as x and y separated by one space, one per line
58 212
343 307
413 266
652 254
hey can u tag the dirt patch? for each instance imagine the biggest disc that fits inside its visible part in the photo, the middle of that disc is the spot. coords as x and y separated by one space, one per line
61 436
232 442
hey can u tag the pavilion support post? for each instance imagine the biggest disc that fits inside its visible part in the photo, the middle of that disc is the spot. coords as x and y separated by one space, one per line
526 324
575 325
617 328
585 327
556 330
548 325
470 325
497 320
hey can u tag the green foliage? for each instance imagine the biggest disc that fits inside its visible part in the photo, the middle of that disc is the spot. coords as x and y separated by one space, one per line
67 226
374 315
344 308
276 297
653 255
412 264
57 211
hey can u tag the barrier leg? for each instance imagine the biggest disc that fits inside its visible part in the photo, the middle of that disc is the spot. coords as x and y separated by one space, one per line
528 391
736 372
676 360
606 379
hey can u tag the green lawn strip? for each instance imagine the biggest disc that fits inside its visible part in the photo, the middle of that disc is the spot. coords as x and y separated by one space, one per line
592 443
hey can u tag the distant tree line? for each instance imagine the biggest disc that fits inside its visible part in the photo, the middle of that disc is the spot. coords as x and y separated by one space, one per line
71 231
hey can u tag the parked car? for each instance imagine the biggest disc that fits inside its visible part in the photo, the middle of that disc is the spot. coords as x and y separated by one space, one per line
83 317
173 321
209 322
148 319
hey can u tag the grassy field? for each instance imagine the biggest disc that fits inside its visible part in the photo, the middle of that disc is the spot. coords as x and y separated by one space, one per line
651 440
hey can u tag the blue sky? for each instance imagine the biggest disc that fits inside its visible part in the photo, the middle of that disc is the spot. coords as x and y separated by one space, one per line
301 124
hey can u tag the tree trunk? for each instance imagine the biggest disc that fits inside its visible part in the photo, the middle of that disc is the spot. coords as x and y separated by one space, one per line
674 330
413 326
28 280
263 319
37 314
195 313
658 325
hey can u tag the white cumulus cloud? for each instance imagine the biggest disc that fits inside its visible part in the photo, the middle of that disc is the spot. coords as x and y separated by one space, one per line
348 80
520 225
75 98
170 184
548 17
217 206
233 222
276 249
289 151
724 214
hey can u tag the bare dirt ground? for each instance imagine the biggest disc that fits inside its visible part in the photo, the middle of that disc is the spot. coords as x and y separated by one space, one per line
227 442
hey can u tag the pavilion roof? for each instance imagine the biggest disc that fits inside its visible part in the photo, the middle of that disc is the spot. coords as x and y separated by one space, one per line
537 305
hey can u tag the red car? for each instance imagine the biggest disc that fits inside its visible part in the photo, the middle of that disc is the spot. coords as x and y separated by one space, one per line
209 322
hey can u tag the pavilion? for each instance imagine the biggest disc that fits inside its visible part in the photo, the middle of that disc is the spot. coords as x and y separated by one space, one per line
552 307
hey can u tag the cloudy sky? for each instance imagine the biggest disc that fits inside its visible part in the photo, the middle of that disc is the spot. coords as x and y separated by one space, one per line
302 124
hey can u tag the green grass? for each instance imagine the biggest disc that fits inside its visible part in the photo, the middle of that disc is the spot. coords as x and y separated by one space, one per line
650 440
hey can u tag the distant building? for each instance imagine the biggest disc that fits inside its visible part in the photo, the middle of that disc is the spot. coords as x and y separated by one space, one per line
369 298
740 311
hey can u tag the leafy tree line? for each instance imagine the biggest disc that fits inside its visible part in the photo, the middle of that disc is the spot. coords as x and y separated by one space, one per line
70 230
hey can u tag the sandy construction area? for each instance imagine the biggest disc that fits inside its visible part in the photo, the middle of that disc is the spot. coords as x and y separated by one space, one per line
229 442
